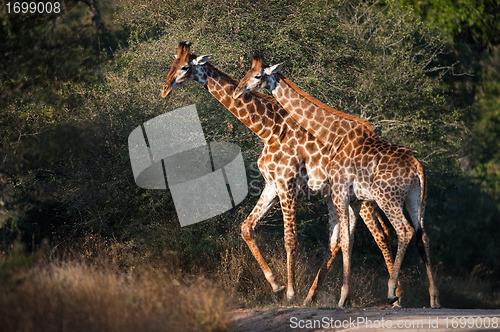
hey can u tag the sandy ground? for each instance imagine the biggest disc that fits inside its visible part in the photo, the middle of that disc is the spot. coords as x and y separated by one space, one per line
316 319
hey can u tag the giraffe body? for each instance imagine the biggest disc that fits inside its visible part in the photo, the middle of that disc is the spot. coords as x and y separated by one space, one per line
362 168
291 158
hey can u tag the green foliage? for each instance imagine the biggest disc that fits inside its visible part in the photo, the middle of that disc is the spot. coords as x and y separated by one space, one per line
486 143
475 30
475 22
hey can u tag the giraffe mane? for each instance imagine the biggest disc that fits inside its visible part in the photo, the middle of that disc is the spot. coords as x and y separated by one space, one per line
223 74
347 116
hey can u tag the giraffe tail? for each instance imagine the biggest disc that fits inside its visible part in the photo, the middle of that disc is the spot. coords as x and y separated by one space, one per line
421 208
423 194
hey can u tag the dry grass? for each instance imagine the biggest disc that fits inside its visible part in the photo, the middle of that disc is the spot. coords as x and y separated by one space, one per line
100 296
240 274
80 297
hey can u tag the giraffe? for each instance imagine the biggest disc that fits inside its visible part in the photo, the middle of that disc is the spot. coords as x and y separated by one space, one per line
362 167
291 158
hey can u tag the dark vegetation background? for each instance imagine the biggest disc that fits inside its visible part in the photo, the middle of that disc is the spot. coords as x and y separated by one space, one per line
74 85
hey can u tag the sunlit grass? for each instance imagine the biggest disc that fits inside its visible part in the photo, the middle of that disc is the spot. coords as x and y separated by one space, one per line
74 296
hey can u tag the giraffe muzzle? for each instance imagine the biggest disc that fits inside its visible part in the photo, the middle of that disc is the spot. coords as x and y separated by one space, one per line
238 92
166 91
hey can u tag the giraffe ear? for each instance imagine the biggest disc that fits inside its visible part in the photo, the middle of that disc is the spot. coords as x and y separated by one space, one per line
201 60
272 69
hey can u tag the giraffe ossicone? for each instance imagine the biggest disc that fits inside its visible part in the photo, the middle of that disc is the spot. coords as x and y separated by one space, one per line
362 167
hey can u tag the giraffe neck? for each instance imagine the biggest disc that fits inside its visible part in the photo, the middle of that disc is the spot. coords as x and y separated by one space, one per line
322 121
253 109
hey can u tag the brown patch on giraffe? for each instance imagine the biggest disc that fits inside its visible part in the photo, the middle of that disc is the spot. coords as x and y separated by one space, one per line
226 101
215 93
267 121
310 146
278 156
279 93
229 90
353 136
314 125
365 160
293 142
321 118
341 131
286 94
250 108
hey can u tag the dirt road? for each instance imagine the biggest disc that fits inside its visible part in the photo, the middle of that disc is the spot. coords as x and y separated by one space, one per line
315 319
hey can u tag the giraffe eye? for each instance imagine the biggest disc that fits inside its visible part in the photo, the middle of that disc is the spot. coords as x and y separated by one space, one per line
185 68
258 76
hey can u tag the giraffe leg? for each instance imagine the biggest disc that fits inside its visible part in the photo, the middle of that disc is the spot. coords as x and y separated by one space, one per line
393 209
288 200
412 205
334 246
267 199
378 230
346 241
353 213
380 233
423 249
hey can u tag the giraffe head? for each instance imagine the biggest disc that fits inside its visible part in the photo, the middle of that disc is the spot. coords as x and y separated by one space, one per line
259 76
184 68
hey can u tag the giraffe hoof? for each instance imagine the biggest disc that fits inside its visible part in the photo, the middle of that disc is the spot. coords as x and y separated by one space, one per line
278 293
307 301
435 302
396 305
344 304
436 305
392 300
